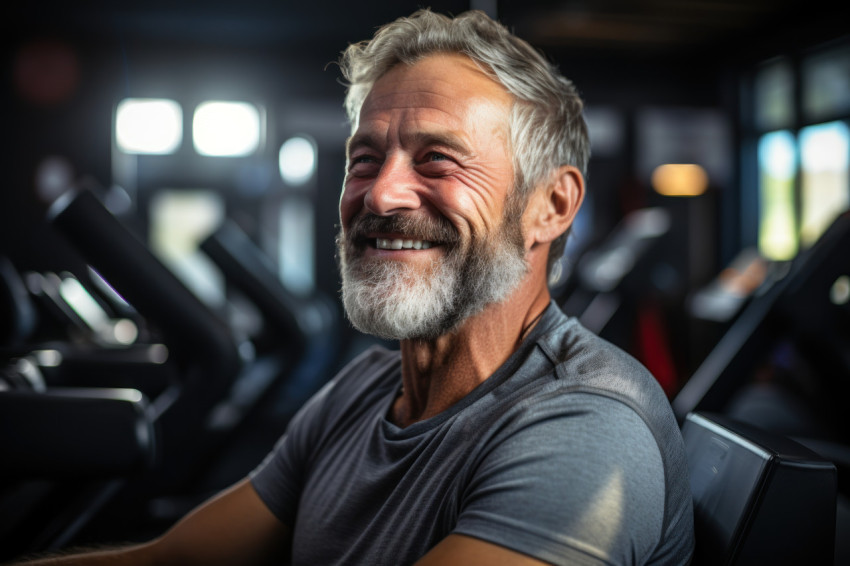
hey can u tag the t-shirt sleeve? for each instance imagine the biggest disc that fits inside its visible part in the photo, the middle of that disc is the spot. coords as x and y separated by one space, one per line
577 485
279 478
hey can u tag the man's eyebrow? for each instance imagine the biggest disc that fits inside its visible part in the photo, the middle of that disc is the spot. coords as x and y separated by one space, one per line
440 139
360 140
415 139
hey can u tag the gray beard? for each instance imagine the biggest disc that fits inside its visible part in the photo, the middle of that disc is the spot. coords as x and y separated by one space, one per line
399 301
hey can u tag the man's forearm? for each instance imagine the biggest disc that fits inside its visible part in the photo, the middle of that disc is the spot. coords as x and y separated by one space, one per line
132 555
234 527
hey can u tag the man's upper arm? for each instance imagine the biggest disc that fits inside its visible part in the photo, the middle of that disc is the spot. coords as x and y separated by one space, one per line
586 485
460 549
235 527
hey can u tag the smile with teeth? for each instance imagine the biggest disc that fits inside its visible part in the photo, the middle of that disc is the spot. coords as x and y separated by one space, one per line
400 244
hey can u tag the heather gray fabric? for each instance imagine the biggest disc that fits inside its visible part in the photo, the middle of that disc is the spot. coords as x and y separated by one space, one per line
568 453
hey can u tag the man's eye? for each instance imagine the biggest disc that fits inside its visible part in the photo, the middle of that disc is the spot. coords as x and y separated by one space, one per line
362 159
434 156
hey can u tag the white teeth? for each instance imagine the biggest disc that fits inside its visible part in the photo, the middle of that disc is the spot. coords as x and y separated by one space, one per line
399 244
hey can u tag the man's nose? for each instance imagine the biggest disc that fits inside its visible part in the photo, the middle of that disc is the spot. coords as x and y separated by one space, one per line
396 188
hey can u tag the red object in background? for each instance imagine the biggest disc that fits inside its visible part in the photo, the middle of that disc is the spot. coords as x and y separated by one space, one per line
46 72
653 347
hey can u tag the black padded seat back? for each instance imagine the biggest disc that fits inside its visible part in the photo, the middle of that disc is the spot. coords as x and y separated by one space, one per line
759 498
75 433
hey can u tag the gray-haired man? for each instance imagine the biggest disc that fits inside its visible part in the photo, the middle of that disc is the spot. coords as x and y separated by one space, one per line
502 432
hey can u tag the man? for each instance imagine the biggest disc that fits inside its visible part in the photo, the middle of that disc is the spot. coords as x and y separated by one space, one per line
503 432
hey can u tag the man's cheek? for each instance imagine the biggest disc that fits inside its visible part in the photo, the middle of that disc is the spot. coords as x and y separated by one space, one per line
351 199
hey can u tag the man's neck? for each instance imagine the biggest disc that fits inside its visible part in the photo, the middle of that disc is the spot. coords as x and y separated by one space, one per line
437 374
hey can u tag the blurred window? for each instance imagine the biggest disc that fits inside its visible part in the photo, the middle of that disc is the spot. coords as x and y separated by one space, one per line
803 181
826 85
825 183
179 221
777 235
774 95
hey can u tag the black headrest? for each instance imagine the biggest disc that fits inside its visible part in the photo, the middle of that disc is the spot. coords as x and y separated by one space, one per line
759 498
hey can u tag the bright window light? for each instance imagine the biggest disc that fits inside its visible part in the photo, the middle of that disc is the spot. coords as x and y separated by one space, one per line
226 129
148 125
824 151
778 238
297 160
179 221
825 147
679 180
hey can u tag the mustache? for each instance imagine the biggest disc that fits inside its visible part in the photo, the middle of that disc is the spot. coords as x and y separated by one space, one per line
413 226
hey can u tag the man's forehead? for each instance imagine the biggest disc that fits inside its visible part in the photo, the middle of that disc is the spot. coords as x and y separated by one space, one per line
443 92
453 64
435 80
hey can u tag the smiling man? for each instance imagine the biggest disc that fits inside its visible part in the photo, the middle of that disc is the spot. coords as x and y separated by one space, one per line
429 238
502 432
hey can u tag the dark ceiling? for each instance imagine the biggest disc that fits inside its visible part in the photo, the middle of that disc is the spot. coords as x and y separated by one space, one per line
705 28
626 54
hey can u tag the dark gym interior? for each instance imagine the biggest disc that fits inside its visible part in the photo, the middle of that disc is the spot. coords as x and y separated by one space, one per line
168 302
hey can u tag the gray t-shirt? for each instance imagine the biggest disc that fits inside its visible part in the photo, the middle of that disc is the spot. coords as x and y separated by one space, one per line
569 453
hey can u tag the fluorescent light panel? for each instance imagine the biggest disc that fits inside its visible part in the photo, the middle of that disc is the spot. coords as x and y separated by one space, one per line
226 129
148 126
297 160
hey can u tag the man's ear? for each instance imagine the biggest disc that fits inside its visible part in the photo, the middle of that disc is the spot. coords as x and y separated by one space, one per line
553 206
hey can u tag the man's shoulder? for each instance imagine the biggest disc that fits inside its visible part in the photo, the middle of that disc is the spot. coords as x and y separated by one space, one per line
581 356
586 363
583 361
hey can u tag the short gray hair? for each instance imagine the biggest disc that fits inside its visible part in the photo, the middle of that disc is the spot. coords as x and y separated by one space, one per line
547 129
